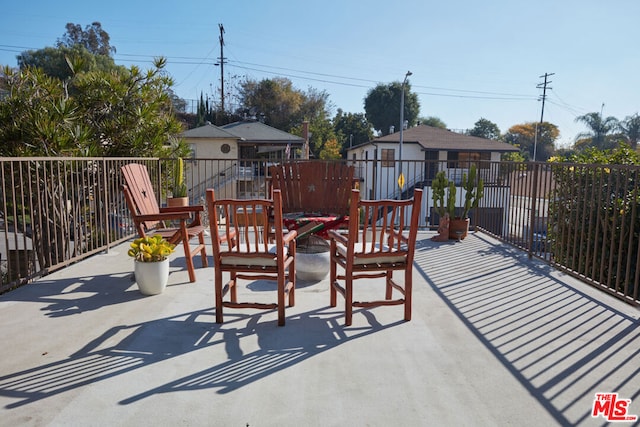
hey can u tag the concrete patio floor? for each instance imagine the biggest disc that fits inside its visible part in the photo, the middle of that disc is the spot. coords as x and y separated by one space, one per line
496 339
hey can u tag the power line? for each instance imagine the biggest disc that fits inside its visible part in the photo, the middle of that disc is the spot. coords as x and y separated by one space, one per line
305 75
511 97
365 80
500 98
573 111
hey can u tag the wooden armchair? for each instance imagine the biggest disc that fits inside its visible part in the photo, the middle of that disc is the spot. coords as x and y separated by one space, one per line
374 250
252 257
149 218
315 192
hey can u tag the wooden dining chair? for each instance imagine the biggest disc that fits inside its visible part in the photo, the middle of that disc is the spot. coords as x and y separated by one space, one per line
253 257
149 218
383 242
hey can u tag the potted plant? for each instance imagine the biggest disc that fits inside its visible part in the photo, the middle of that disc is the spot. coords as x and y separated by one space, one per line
151 263
454 226
444 203
179 188
312 258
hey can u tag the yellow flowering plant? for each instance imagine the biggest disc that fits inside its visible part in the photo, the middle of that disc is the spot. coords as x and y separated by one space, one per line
151 249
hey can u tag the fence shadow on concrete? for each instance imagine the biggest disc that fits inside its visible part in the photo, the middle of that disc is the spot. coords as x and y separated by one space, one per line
561 343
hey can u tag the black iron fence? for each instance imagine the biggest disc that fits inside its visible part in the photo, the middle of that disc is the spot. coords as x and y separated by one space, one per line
584 219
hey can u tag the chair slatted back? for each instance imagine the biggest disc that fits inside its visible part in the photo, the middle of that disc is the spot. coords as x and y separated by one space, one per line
251 257
382 243
246 219
139 194
314 186
388 227
147 215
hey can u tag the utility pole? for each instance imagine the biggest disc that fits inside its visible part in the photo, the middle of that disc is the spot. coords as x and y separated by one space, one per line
401 175
221 63
542 86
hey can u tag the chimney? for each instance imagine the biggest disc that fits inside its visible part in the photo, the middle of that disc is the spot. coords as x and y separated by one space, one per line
392 129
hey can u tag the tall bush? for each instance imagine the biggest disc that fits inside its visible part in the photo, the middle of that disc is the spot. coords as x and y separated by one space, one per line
594 224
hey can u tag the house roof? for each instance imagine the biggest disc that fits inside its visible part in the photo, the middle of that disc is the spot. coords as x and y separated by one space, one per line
431 138
208 131
257 132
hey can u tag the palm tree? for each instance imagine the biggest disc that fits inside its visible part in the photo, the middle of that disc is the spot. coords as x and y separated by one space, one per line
600 130
630 128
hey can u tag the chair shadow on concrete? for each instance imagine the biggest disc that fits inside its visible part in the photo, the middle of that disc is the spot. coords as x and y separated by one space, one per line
308 334
141 345
560 343
66 297
89 292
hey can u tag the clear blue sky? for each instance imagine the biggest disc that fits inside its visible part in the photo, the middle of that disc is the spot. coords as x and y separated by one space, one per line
469 59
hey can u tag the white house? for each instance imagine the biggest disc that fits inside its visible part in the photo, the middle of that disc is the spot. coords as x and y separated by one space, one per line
425 151
234 152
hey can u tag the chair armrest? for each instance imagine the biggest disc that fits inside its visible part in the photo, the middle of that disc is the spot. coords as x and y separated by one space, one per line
399 235
340 237
180 209
228 237
163 216
291 235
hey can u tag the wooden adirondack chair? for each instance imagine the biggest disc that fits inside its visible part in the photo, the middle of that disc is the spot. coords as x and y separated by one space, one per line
149 217
315 194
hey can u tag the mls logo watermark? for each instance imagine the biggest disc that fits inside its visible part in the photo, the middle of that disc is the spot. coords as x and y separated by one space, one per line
612 408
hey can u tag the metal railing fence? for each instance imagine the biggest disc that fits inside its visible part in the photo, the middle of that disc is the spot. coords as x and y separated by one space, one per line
584 219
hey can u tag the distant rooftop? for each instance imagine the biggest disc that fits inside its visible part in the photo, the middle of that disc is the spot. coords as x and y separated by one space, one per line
432 138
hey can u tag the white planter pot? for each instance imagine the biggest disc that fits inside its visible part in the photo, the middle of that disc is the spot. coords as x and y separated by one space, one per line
312 266
151 277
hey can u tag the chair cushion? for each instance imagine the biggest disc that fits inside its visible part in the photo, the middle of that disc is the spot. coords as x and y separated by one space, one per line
252 260
381 258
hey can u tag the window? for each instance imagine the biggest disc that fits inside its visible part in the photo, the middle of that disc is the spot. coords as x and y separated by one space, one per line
464 159
388 157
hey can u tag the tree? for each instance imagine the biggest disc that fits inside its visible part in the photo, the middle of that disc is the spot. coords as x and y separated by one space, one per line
276 100
321 131
484 128
37 118
205 113
95 113
62 62
352 129
524 137
179 104
93 38
599 134
512 156
599 204
630 128
90 112
315 105
382 106
331 150
284 107
128 114
433 122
